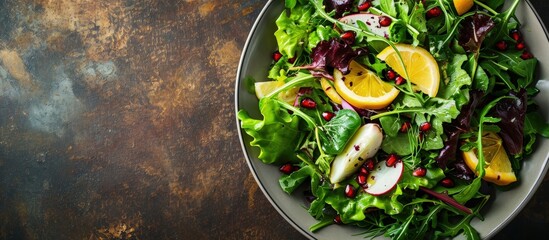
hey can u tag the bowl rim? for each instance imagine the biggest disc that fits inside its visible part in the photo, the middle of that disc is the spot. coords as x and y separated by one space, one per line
278 208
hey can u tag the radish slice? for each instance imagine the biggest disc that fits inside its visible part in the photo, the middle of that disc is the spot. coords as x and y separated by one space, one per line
383 179
371 21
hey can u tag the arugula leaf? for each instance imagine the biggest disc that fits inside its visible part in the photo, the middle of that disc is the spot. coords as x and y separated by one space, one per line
394 144
534 124
277 135
469 191
457 80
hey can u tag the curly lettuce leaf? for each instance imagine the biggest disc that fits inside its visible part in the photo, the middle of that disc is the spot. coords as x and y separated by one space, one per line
354 209
277 135
293 30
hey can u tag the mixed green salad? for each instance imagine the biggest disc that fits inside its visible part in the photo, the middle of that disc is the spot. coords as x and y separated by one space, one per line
426 164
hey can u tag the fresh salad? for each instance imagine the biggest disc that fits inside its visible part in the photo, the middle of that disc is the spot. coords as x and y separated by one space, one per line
398 116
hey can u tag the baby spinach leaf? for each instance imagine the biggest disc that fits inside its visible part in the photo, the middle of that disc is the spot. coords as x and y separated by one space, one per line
290 182
390 125
337 132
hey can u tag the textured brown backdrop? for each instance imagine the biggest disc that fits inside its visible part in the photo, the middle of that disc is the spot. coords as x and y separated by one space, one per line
117 122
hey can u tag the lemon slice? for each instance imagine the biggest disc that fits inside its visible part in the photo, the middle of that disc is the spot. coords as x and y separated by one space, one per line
462 6
330 91
421 66
362 88
498 166
263 89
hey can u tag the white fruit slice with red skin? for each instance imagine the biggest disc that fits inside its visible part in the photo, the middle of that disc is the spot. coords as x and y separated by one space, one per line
383 178
371 21
363 145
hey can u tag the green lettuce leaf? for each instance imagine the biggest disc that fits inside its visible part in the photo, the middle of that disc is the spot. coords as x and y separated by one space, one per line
293 30
277 135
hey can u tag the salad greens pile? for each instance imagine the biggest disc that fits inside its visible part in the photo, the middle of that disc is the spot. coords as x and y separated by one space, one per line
488 82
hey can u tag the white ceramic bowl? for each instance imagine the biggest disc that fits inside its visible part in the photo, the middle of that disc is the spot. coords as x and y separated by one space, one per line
255 61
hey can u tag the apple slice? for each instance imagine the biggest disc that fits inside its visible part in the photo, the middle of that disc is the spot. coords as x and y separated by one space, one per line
371 21
363 145
383 178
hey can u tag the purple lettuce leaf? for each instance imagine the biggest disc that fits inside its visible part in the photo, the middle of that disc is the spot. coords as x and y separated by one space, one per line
473 31
331 54
512 113
458 126
340 6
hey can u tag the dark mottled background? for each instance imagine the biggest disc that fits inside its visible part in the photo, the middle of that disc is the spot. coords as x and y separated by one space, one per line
117 122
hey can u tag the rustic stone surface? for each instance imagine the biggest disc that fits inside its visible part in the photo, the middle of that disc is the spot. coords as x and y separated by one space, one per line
117 122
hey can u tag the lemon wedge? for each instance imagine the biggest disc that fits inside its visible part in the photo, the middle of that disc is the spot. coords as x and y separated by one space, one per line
420 66
498 169
362 88
263 89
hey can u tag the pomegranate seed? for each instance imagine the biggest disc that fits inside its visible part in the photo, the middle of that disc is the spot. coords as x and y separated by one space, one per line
369 165
501 45
348 37
526 55
399 80
447 182
364 6
520 46
385 21
363 171
515 35
391 160
350 191
405 127
308 103
390 75
287 168
337 219
419 172
433 12
361 179
328 115
276 56
424 127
